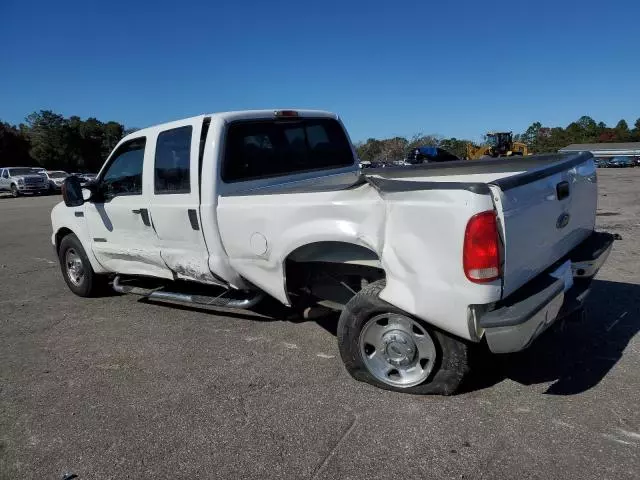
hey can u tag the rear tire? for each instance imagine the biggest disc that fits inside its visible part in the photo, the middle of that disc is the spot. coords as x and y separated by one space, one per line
412 357
76 268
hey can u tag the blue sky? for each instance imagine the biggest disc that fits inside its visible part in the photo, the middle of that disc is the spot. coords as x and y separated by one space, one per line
388 68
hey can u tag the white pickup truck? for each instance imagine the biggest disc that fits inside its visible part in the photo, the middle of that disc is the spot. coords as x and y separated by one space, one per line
423 261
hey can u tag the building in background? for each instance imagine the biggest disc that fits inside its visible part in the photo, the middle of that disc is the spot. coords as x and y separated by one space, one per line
606 150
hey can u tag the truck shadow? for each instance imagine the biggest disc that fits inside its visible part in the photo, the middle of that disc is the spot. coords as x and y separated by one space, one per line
575 354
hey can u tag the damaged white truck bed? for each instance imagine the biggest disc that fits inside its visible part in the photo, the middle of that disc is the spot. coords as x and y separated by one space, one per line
423 261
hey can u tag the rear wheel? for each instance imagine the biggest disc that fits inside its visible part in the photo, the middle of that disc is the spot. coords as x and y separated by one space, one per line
76 268
384 346
14 191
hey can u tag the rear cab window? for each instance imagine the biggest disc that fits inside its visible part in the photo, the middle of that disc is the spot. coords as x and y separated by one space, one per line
258 149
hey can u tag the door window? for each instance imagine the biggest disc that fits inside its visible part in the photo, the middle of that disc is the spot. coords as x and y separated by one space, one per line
173 161
5 174
123 176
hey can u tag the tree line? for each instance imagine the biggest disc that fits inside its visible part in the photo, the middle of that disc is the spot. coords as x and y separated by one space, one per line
50 140
538 138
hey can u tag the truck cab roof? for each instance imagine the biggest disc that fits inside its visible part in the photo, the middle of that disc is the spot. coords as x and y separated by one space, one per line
235 116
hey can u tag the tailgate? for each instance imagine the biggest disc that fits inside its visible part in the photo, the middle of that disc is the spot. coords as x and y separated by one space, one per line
544 212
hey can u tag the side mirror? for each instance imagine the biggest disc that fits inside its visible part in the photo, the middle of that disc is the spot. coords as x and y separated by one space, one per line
72 192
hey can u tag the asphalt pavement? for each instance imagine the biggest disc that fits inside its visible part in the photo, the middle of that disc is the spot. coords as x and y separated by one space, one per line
119 388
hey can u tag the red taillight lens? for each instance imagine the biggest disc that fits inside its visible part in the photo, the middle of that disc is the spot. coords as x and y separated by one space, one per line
480 254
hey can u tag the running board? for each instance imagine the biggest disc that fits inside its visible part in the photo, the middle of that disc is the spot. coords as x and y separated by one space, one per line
160 294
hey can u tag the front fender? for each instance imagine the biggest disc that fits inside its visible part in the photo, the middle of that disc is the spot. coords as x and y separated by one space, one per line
64 218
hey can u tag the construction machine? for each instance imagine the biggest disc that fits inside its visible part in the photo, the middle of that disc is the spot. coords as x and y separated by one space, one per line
499 144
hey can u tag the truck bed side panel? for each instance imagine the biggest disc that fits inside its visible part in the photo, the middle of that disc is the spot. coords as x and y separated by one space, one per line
422 256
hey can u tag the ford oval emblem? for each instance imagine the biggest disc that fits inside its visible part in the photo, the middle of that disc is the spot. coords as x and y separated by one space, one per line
563 220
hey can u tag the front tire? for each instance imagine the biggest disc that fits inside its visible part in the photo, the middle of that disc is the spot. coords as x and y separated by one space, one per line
76 268
15 193
385 347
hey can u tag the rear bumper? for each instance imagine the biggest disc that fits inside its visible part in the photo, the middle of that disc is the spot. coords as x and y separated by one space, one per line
520 318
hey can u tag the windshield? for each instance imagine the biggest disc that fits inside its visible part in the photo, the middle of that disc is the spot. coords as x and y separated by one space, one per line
21 171
58 175
492 140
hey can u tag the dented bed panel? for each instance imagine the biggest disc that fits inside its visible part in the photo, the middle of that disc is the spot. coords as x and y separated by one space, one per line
274 226
422 257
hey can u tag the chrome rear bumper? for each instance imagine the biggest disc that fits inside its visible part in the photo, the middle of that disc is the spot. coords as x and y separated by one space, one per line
520 318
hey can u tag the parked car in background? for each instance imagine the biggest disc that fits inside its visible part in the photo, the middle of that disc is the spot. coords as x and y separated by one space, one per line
430 154
20 180
56 179
601 162
621 162
87 177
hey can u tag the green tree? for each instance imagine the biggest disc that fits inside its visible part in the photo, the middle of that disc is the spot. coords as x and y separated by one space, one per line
622 131
49 138
421 140
369 150
456 146
635 133
530 137
14 146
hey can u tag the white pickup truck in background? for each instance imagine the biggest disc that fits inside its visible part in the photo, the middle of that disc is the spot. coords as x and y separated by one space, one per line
423 261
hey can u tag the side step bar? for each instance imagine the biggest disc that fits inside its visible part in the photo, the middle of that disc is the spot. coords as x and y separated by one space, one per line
159 294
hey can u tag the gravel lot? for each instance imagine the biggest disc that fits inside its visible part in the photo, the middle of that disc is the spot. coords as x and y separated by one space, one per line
118 388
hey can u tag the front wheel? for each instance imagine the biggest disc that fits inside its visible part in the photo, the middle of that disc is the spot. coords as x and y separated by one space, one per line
15 193
76 268
384 346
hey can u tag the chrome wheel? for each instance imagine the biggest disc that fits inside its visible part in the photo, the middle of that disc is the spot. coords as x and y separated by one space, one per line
74 266
397 350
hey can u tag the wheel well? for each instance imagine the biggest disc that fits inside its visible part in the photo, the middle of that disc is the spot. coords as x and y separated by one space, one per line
60 234
330 273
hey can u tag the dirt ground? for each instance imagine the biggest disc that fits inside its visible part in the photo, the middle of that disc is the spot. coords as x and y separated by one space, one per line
115 388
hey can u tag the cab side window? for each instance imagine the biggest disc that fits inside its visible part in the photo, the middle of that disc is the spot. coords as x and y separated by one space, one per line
124 173
173 161
5 174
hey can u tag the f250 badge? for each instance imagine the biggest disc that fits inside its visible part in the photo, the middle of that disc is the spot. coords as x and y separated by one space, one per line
563 220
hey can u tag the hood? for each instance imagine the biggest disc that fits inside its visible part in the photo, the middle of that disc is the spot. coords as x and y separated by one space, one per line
34 176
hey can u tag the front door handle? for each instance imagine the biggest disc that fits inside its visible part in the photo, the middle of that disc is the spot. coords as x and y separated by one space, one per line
144 213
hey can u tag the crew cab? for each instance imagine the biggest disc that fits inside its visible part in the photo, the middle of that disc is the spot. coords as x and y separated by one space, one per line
422 261
21 180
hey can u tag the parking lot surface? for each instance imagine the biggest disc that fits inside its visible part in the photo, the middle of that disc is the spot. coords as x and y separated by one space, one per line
115 387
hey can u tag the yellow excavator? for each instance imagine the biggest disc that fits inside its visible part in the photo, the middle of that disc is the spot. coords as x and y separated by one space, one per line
499 144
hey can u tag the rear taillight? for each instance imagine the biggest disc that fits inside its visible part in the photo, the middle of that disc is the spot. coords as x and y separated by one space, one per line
481 253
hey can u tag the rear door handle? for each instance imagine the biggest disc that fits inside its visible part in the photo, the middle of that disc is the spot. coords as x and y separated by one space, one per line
193 218
144 213
562 190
